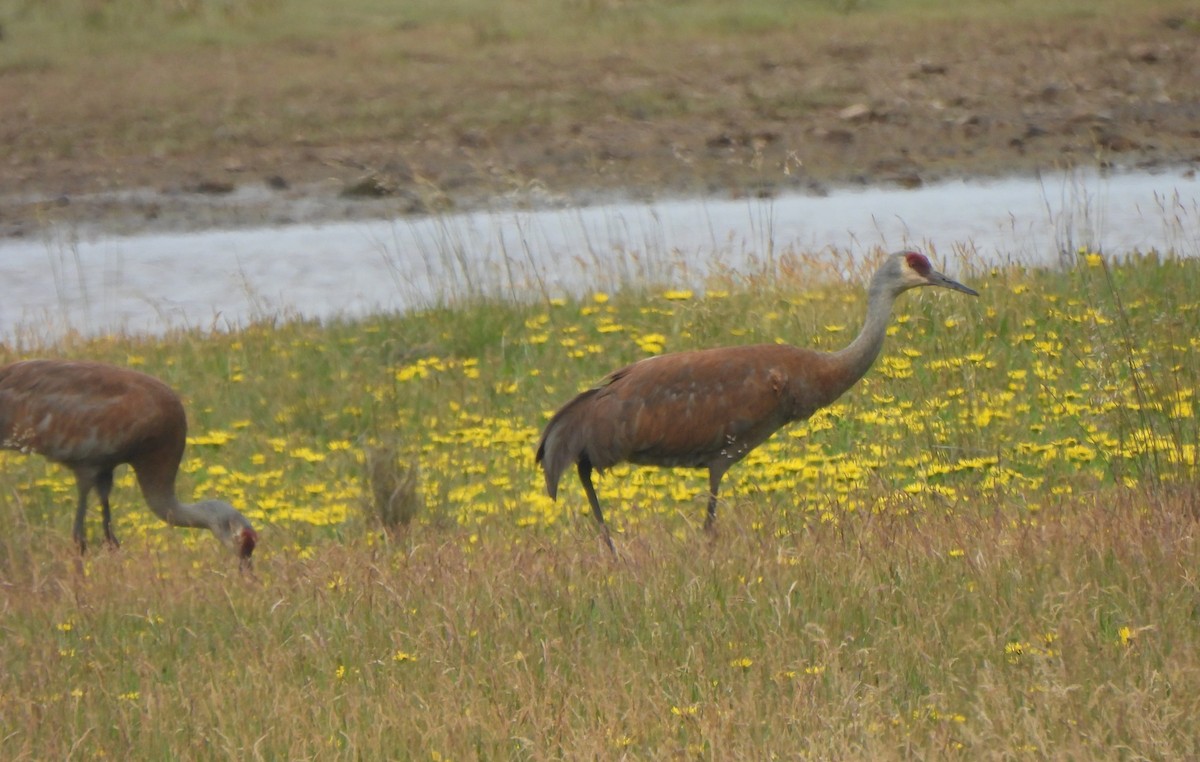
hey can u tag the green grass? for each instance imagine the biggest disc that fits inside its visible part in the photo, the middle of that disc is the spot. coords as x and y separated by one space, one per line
985 550
67 29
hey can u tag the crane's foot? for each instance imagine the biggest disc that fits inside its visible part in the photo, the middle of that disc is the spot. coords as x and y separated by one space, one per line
608 540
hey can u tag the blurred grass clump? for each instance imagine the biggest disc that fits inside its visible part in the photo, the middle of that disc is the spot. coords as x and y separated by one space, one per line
393 487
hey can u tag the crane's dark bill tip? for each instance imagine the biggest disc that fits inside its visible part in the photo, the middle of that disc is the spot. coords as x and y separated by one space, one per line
938 279
249 542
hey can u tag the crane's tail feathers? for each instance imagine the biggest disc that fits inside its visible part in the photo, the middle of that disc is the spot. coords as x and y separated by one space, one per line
551 482
564 441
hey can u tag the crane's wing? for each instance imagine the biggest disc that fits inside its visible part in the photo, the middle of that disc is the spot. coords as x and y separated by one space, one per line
79 411
687 408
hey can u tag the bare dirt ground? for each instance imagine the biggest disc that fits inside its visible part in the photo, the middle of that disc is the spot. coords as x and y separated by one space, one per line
306 133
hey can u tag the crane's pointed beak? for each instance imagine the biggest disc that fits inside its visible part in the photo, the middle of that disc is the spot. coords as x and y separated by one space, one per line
937 279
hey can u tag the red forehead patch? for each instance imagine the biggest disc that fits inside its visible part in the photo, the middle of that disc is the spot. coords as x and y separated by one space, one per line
918 262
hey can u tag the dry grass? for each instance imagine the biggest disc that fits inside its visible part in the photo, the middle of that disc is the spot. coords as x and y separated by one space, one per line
982 637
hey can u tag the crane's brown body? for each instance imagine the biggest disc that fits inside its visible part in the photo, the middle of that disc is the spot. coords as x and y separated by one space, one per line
709 408
700 409
92 417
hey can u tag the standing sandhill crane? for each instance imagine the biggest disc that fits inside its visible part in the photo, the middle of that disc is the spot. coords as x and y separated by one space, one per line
709 408
92 417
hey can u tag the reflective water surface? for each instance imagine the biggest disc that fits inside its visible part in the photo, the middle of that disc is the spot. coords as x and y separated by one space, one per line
224 278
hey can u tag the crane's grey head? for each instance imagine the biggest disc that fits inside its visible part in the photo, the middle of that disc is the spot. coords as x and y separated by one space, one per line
909 269
232 529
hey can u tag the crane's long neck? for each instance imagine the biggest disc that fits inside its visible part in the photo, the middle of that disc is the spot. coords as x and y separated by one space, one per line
853 362
158 488
166 506
156 470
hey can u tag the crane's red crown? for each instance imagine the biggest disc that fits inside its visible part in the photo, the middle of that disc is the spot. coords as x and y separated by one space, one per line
918 262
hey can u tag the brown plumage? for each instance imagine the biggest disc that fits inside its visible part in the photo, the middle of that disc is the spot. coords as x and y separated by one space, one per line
709 408
92 417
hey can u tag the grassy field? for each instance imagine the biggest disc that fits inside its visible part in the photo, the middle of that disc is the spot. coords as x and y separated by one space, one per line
987 549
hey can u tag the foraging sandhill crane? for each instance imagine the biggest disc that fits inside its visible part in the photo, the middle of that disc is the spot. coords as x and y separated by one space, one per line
709 408
92 417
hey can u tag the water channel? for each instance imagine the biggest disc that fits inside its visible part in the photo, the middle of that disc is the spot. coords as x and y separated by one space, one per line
150 283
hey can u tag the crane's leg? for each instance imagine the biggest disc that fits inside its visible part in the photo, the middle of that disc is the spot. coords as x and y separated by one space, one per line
83 484
104 483
585 476
715 474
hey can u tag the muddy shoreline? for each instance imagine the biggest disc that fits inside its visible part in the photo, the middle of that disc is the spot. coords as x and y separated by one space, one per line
915 106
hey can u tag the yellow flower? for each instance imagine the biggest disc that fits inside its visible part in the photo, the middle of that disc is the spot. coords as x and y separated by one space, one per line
1079 453
306 454
215 438
652 343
